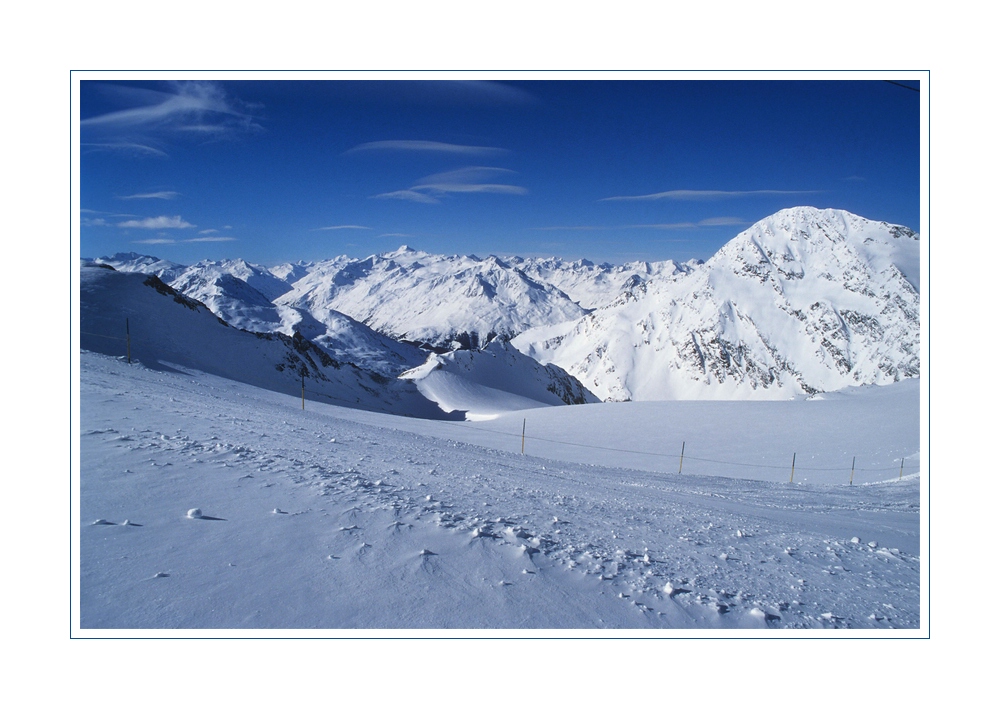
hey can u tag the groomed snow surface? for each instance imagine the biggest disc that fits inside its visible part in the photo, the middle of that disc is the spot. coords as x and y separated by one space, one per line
210 504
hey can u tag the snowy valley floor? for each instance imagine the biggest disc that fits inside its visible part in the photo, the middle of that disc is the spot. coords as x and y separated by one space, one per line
331 518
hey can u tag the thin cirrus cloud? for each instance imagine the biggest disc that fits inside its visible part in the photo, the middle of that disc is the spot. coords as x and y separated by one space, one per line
710 222
195 106
704 195
163 222
467 180
198 240
200 109
426 146
153 195
338 227
130 149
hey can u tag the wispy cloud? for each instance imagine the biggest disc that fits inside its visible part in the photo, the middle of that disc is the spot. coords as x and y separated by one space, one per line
131 149
164 240
153 195
156 223
200 106
341 226
704 223
426 146
152 119
702 195
409 196
467 180
394 233
209 231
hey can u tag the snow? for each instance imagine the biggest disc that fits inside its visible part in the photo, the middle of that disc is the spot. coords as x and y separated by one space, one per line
417 524
804 301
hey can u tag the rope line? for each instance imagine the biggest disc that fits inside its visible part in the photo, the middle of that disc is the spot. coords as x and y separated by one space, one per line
94 334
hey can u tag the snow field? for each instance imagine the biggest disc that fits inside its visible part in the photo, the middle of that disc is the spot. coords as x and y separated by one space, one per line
327 519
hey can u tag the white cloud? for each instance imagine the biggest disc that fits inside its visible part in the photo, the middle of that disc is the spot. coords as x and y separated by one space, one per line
209 231
156 223
153 195
200 106
409 195
445 188
711 222
466 175
134 149
209 238
697 195
155 241
426 146
466 180
341 226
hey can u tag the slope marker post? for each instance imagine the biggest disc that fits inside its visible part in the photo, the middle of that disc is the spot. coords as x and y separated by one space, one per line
851 481
792 477
680 468
128 343
524 425
901 468
303 392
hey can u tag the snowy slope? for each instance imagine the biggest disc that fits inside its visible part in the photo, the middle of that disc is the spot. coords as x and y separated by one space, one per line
333 518
170 331
440 301
498 378
241 293
806 300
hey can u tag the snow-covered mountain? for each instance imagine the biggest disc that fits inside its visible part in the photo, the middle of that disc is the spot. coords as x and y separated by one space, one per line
167 330
443 302
241 294
498 378
806 300
595 285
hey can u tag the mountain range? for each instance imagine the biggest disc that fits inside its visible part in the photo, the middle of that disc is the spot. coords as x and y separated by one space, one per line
804 301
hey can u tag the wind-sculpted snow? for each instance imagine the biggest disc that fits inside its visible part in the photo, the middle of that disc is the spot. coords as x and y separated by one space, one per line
205 503
440 301
498 378
806 300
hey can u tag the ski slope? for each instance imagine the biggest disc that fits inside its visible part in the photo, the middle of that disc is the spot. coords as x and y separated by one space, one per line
333 520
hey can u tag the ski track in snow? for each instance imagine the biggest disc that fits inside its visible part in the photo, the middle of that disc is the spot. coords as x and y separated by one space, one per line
312 520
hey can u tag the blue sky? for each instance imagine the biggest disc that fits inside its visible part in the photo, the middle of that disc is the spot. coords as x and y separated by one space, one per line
275 171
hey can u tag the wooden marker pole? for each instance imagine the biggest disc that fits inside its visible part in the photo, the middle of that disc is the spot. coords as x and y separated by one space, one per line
681 466
793 469
852 469
524 425
900 468
128 343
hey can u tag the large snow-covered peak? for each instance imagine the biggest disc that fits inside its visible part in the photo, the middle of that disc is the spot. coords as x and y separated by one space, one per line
826 240
805 300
